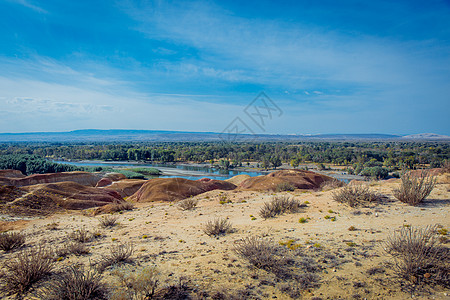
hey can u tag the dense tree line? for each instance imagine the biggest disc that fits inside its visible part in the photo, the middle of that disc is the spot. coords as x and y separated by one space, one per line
33 164
357 156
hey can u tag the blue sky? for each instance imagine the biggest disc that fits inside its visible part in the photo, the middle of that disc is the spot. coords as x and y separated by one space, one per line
329 66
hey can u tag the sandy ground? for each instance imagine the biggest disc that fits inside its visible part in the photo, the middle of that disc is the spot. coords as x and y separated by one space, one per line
173 241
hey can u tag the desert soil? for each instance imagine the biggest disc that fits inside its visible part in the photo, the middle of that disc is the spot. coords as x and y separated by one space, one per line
174 242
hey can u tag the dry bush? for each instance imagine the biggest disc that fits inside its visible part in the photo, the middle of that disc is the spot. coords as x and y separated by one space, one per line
76 283
81 235
218 227
188 204
418 256
119 254
414 189
283 263
280 205
76 248
355 196
11 240
284 187
26 268
116 207
182 290
331 184
135 285
108 221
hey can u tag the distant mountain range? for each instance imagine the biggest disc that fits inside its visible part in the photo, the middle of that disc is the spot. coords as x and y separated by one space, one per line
120 135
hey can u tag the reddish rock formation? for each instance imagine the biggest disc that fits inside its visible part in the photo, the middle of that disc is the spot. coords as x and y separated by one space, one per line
115 176
84 178
127 187
104 182
171 189
66 195
299 178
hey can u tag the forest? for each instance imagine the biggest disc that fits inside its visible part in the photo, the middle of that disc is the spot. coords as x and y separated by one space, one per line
365 158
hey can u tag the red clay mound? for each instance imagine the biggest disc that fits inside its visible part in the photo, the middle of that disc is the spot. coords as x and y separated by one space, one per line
127 187
104 182
171 189
84 178
299 178
115 176
66 195
9 173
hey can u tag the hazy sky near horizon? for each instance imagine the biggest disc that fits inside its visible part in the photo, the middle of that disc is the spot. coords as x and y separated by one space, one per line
328 66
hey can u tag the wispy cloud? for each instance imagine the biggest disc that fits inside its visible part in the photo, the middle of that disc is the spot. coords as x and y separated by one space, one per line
29 4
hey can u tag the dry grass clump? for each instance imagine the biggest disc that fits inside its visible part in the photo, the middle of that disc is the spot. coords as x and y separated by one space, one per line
75 248
418 256
284 187
283 263
119 254
218 227
108 221
331 184
135 284
11 240
76 283
414 189
81 235
27 268
188 204
280 205
355 196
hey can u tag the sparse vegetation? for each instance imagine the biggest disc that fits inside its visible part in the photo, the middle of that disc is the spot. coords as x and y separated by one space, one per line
11 240
280 205
414 189
119 254
285 187
355 196
418 256
81 235
188 204
135 284
26 268
218 227
331 184
108 221
76 283
75 248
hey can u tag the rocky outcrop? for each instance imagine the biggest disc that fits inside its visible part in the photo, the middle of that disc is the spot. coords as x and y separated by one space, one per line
171 189
300 179
83 178
127 187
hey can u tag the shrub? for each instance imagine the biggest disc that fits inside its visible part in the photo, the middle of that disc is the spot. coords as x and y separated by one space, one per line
188 204
11 240
119 254
284 187
283 263
81 235
261 253
76 248
354 196
218 227
116 207
414 189
331 184
418 256
135 284
76 283
28 267
108 221
376 172
279 205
